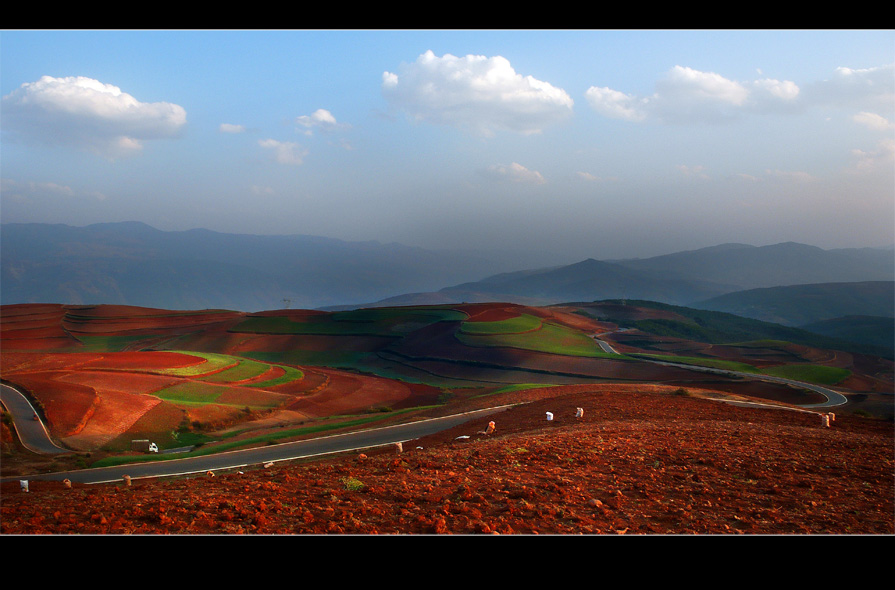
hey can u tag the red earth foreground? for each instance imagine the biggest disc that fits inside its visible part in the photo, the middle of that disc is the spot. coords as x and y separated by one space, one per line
643 459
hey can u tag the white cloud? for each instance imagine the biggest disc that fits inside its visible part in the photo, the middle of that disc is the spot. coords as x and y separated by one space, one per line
686 84
881 158
48 190
482 94
867 89
688 95
693 171
616 105
873 121
593 178
514 173
320 119
285 152
86 113
231 128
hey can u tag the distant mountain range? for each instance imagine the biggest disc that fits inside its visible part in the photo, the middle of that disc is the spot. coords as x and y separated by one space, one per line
800 305
683 278
133 263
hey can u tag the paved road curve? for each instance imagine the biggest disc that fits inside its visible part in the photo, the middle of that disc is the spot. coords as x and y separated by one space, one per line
281 452
834 398
35 437
32 433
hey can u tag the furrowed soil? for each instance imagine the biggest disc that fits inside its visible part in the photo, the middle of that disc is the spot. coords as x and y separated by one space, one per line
642 460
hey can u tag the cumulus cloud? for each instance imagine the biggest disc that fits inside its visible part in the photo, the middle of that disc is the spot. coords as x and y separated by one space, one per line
83 112
867 88
593 178
617 105
693 171
686 95
514 173
23 191
477 93
284 152
320 119
883 157
873 121
231 128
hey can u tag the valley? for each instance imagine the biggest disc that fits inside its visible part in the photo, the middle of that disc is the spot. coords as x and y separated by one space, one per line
203 383
652 378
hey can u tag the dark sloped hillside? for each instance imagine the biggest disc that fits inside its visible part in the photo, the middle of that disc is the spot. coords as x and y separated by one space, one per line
798 305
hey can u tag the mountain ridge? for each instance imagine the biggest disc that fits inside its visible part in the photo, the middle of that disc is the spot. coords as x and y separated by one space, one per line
134 263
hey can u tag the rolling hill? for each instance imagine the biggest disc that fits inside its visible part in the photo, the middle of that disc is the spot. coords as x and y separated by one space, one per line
631 444
134 264
799 305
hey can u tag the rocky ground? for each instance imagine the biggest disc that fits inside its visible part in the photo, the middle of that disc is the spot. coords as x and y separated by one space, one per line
641 460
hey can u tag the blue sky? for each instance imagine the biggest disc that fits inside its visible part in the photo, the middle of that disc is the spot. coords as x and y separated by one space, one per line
590 143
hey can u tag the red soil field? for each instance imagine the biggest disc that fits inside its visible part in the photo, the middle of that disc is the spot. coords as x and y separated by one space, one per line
641 461
66 406
490 312
347 393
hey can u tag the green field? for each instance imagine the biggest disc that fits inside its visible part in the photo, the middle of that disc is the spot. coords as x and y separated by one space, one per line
213 362
817 374
702 362
516 325
539 337
246 369
191 393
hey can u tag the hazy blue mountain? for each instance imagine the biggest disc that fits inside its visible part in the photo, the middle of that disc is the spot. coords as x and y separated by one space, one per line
872 331
684 278
798 305
587 280
133 263
788 263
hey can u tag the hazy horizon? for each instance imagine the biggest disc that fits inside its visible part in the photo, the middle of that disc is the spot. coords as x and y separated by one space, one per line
604 144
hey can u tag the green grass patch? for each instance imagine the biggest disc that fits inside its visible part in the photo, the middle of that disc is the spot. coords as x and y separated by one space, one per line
702 362
516 325
291 374
817 374
246 369
550 338
213 362
191 393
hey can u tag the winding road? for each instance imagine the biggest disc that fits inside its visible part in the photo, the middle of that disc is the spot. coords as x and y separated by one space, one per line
32 433
365 439
834 398
35 437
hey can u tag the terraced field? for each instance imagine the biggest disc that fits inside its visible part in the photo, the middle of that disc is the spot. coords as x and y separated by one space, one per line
103 375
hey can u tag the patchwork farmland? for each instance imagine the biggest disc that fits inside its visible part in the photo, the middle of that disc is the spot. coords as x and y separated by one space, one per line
655 451
104 375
